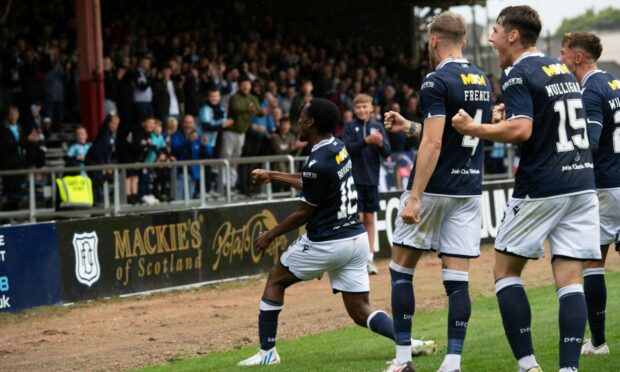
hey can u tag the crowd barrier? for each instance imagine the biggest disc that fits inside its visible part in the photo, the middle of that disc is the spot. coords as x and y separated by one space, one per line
76 260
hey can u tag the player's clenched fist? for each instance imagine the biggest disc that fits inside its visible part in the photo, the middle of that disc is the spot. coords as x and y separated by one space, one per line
260 176
394 122
263 241
499 113
462 122
411 212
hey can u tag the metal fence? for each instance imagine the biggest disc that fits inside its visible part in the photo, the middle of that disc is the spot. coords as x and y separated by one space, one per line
41 203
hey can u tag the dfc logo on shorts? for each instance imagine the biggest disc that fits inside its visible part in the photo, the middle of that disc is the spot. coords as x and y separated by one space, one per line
87 267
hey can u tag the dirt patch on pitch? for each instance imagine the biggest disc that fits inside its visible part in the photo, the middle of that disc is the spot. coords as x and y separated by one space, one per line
120 334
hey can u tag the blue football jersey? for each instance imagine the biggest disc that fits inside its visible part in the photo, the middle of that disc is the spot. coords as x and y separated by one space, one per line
456 84
327 184
556 159
601 97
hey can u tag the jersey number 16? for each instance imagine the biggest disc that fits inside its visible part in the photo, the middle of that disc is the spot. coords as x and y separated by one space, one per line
348 199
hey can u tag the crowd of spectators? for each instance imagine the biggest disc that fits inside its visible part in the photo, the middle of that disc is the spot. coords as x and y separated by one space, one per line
179 87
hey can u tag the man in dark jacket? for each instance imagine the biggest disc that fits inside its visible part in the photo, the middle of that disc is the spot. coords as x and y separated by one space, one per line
12 141
367 143
168 96
101 152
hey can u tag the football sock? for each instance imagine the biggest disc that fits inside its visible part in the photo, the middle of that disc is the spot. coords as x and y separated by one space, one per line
451 362
596 299
403 307
572 318
371 257
459 308
381 323
527 362
268 323
516 315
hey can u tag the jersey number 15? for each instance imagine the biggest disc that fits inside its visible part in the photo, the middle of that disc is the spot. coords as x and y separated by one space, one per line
581 141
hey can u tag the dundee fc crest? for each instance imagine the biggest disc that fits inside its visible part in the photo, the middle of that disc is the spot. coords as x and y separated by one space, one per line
87 267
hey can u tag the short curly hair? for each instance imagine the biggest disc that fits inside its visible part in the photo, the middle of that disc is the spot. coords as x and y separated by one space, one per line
325 113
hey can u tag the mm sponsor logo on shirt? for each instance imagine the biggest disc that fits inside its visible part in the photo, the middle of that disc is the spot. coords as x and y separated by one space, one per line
342 155
473 79
556 69
614 84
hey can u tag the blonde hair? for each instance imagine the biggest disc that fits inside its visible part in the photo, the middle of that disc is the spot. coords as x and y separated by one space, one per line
449 26
172 122
362 98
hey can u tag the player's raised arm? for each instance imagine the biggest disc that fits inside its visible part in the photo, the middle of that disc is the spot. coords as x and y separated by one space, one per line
396 123
263 176
507 131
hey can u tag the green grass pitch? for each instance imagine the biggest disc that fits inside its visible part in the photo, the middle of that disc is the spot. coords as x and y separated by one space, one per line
486 348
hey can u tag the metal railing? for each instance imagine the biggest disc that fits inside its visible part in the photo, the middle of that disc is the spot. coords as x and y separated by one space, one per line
118 205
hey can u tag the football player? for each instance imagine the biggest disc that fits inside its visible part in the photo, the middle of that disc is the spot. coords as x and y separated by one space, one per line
554 195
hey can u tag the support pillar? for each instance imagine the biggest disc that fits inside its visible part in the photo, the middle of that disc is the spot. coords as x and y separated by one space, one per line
90 49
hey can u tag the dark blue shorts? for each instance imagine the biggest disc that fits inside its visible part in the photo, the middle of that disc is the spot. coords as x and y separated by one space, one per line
367 198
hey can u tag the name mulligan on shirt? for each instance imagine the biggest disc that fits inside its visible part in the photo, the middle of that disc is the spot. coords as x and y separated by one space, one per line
562 88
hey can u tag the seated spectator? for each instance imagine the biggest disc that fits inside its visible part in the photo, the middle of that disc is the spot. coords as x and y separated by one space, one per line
101 153
12 141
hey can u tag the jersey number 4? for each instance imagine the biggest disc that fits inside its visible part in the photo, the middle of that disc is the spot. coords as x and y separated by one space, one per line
348 199
472 142
581 141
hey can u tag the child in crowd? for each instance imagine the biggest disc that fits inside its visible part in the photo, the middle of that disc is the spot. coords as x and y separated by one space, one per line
160 154
76 154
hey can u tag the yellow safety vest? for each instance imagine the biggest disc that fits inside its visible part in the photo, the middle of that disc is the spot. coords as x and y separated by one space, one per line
75 191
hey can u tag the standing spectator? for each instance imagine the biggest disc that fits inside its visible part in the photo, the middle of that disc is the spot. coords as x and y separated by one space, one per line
142 92
110 85
284 142
137 143
76 154
367 143
340 97
242 106
286 100
35 128
192 92
143 147
168 96
160 176
180 148
12 142
124 99
55 78
304 96
213 119
101 152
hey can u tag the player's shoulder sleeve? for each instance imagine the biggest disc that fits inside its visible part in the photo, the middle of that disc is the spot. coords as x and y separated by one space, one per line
594 103
433 96
314 179
517 95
